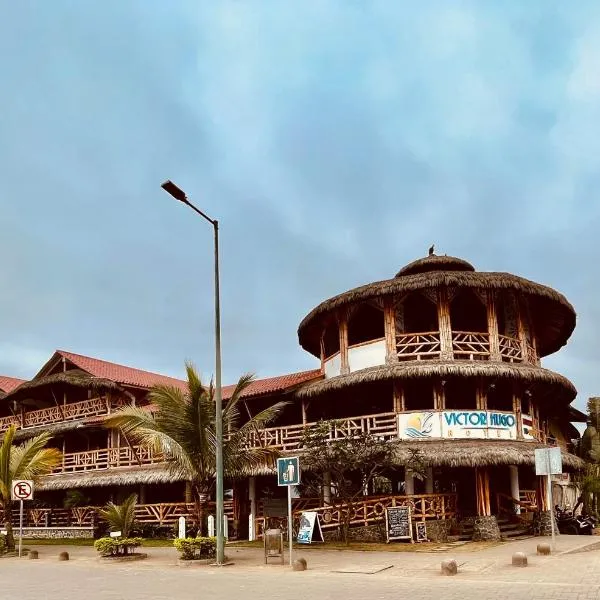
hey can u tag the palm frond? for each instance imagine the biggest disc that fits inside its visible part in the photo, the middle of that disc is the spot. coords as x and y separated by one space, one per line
243 383
5 452
32 459
120 517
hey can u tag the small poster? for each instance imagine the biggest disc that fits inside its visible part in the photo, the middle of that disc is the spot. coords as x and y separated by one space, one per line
310 528
398 524
421 531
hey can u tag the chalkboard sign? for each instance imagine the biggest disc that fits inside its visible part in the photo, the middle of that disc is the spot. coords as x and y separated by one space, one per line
421 531
398 525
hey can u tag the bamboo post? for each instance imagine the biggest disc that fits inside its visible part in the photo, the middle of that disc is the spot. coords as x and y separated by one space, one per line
343 326
445 325
492 320
518 414
389 320
398 397
522 333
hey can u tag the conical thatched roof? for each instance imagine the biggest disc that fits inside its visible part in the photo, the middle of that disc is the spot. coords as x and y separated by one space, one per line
434 262
554 317
544 380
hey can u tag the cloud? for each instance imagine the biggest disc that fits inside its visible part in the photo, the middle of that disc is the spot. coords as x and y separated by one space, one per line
334 143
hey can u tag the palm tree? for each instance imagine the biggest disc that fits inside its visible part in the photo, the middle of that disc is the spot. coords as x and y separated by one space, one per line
120 517
183 430
29 460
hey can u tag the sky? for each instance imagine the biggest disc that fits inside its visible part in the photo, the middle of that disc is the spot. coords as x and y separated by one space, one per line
334 141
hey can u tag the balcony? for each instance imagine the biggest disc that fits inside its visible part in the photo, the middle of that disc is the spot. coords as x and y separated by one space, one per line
108 458
61 413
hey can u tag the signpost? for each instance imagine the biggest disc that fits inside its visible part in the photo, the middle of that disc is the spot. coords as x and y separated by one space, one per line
548 461
288 474
21 490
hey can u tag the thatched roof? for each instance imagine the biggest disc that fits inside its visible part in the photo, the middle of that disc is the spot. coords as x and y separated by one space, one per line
543 379
117 476
478 453
435 263
53 428
553 315
64 380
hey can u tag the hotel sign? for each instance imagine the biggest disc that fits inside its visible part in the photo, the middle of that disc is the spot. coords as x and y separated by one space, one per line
462 424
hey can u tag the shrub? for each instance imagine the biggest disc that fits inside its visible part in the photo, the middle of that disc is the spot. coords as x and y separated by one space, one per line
108 546
120 517
196 548
2 544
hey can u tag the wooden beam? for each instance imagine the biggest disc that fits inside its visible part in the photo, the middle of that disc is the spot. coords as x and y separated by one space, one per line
492 320
445 325
389 321
343 325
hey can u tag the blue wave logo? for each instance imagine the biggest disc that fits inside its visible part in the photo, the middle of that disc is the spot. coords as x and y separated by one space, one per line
419 426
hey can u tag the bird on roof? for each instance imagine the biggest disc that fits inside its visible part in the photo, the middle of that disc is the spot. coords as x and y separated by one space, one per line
431 250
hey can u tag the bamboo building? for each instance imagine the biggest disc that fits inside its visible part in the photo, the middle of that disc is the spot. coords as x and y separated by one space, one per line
440 358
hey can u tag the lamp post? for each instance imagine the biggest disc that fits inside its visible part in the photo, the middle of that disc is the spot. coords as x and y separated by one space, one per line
180 195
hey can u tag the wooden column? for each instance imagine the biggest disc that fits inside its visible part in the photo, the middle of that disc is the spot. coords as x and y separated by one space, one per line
438 396
398 397
389 320
492 319
518 413
482 491
522 333
304 405
445 326
343 325
481 396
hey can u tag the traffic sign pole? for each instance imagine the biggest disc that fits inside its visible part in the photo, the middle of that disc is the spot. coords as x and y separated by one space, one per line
20 528
289 487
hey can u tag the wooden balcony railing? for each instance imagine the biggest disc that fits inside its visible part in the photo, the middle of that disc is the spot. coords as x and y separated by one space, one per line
470 346
371 510
108 458
290 438
510 349
166 513
61 413
418 346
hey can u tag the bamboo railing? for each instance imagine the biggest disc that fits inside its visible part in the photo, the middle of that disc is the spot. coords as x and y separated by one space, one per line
371 510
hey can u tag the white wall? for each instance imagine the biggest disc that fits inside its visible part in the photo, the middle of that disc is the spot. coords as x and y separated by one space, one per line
332 365
366 355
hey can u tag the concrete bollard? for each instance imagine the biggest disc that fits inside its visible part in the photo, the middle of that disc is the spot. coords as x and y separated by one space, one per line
63 556
299 564
33 554
449 567
544 549
519 559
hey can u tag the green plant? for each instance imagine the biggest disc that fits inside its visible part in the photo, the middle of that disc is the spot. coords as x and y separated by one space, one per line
2 544
120 546
75 498
28 460
196 548
183 430
120 517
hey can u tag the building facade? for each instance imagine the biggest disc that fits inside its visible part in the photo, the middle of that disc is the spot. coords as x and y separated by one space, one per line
441 359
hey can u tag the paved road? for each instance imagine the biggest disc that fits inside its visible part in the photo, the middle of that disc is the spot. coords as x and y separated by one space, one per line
484 575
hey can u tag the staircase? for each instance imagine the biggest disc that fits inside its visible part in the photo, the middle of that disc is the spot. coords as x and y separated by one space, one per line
509 530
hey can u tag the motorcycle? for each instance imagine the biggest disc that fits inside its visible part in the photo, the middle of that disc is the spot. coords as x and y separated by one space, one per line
571 524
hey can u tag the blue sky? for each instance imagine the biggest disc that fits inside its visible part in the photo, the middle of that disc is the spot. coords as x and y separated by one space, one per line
335 141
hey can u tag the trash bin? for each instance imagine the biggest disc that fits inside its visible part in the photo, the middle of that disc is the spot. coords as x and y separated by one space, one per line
273 539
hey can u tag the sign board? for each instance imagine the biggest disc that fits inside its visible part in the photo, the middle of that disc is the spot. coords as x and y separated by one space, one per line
310 528
288 471
181 528
397 523
462 424
421 531
115 534
548 461
22 489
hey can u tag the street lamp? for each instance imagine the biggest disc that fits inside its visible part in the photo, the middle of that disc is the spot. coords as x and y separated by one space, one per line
180 195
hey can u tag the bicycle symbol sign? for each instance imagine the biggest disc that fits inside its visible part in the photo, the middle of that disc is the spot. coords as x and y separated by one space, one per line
22 489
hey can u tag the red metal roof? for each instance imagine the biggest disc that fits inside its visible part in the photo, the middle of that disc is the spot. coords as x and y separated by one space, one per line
8 384
119 373
272 385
